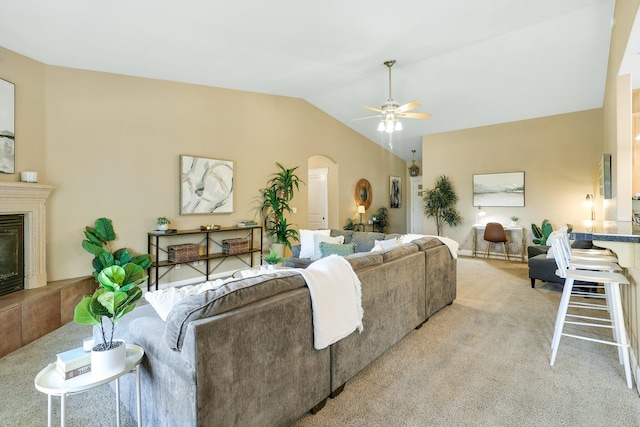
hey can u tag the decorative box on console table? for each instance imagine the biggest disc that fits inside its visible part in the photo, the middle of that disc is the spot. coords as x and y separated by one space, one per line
184 252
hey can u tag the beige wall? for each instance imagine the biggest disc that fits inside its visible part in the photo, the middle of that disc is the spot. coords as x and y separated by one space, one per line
559 155
110 144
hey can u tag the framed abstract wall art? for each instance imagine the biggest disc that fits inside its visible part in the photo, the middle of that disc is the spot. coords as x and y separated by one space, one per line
395 191
206 185
498 189
7 127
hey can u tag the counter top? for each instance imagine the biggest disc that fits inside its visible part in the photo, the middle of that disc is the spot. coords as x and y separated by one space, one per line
608 231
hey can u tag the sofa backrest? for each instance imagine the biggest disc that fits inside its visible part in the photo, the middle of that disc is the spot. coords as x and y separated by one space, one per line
228 297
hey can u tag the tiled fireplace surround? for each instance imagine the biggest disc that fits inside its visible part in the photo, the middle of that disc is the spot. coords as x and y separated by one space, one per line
41 307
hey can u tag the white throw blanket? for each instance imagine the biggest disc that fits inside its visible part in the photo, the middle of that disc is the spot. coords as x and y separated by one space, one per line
451 244
336 299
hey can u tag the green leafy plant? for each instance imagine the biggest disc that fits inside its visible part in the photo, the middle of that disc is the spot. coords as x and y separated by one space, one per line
273 257
162 220
350 225
98 243
118 275
541 234
275 204
381 219
514 218
440 204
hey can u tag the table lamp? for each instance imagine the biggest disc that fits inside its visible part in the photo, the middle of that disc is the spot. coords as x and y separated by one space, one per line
361 211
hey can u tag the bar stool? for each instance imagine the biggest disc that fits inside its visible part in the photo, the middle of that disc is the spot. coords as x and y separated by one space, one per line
611 304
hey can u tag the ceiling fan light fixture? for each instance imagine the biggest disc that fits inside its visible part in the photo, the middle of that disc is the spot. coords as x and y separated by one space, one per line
389 126
398 126
381 126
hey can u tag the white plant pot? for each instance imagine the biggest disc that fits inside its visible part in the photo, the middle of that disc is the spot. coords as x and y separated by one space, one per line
107 363
163 226
271 266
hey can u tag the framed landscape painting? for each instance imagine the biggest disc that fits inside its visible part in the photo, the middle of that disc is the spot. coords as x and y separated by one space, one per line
206 185
498 189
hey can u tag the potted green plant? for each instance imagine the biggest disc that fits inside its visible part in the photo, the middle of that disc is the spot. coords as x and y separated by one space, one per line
350 225
381 221
162 222
276 197
440 203
514 221
272 259
118 274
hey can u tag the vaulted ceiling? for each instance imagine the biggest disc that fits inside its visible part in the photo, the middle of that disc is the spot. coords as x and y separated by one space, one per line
469 63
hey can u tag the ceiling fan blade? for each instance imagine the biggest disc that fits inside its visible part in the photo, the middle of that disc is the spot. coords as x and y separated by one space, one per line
368 117
372 109
408 106
415 115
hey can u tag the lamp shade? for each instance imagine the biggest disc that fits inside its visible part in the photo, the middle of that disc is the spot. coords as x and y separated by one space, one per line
360 209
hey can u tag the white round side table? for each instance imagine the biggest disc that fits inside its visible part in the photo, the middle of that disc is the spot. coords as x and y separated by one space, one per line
50 382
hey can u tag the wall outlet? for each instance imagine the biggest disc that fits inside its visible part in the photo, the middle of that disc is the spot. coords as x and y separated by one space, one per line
177 266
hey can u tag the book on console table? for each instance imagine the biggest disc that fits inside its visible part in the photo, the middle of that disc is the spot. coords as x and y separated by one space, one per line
167 231
72 359
73 372
247 223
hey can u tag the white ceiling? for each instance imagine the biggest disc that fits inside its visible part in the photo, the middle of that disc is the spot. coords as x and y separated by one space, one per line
470 63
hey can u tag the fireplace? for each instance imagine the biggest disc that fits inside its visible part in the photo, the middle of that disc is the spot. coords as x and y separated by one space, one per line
28 201
11 253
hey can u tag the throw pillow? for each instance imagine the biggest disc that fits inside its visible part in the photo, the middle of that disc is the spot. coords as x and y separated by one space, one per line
307 242
327 249
381 245
163 300
550 253
319 238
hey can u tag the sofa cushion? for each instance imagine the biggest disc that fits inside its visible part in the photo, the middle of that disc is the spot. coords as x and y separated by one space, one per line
228 297
164 300
348 234
425 243
327 249
398 251
360 260
366 240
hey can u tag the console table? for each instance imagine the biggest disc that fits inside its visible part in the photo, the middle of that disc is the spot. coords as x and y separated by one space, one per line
516 239
213 256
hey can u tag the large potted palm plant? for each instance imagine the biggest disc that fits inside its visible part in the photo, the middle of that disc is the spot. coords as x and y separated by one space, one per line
440 204
276 197
118 274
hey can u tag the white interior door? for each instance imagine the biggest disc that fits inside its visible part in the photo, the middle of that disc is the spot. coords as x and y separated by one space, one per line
318 199
416 205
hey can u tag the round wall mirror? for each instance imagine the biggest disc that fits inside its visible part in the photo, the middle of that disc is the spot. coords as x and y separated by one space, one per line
363 194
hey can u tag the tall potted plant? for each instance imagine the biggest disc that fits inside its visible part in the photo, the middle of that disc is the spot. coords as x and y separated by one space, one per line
118 274
440 203
276 196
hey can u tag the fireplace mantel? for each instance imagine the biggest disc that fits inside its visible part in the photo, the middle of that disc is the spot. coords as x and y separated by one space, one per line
29 199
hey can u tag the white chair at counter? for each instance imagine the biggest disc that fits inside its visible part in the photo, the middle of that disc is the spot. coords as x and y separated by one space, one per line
610 303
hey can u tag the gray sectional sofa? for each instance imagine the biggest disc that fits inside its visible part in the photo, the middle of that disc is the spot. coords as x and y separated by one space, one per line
243 354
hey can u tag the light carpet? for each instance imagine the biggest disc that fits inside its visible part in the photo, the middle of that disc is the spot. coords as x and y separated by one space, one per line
482 361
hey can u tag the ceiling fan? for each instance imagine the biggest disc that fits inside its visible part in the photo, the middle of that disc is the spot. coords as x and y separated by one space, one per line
391 112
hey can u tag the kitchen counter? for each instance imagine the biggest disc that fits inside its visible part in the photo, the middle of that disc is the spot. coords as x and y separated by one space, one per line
621 237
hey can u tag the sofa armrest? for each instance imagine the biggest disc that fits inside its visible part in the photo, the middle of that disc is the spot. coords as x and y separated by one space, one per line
536 250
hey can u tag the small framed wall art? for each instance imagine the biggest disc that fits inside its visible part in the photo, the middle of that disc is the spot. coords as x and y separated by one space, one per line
206 185
7 127
395 191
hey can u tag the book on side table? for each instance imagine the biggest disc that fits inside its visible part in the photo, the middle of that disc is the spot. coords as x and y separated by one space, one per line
72 363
